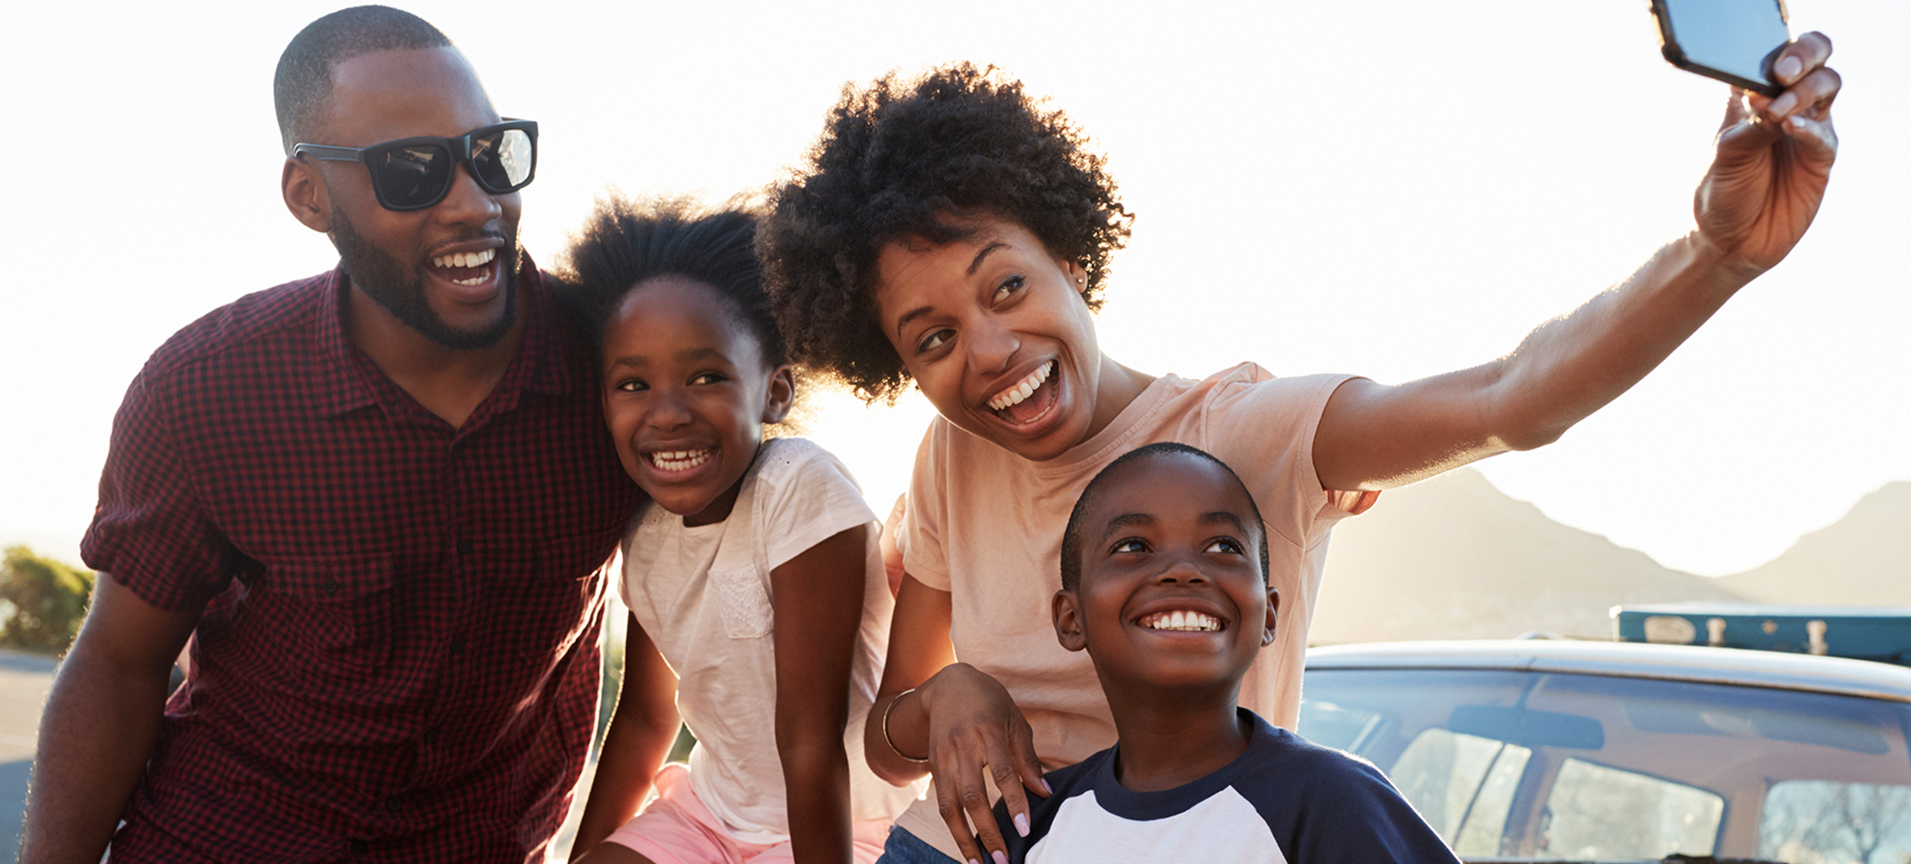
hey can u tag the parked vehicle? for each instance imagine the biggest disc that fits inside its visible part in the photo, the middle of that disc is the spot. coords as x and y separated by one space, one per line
1552 750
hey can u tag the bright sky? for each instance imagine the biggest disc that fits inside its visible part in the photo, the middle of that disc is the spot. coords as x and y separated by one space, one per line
1392 188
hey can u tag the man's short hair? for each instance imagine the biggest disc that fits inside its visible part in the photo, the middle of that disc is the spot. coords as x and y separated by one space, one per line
1072 535
304 79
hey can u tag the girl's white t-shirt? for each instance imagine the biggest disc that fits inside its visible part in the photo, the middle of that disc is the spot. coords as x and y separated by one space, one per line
703 595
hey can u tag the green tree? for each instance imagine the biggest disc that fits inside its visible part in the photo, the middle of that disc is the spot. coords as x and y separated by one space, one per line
41 601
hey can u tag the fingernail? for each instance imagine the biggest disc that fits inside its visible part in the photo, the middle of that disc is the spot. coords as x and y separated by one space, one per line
1782 105
999 858
1045 787
1021 824
1798 121
1788 68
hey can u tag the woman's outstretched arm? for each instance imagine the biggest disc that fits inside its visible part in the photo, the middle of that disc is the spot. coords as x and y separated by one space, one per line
1772 160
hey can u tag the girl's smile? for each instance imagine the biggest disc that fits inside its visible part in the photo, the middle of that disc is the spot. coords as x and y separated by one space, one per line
686 394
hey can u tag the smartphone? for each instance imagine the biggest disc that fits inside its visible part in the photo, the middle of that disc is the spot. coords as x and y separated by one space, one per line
1735 41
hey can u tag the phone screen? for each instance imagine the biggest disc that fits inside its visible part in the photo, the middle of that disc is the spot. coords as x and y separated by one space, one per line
1737 37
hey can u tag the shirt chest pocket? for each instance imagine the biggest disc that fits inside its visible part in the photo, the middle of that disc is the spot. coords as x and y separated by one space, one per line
336 611
743 601
540 599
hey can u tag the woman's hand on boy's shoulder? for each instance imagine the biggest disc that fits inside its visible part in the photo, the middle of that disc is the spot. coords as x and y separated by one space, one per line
973 723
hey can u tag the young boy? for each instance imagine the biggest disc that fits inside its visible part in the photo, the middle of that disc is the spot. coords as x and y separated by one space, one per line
1163 584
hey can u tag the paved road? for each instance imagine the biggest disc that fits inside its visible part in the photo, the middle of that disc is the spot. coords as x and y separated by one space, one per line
24 679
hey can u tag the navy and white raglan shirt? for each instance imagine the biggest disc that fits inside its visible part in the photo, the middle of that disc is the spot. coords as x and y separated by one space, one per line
1284 800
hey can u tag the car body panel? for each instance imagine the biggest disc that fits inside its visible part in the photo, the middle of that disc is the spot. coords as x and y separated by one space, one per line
1542 750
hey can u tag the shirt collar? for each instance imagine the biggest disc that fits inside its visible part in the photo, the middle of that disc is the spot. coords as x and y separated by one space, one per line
347 379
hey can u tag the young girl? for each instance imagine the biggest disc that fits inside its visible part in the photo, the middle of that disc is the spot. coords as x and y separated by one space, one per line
756 589
949 231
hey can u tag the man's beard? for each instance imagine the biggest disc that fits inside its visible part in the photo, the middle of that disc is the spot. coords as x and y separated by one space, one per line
386 280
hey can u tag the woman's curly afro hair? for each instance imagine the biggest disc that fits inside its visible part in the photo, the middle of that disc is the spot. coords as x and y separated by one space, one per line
905 159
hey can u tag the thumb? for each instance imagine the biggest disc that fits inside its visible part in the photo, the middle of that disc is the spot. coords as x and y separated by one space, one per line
1743 130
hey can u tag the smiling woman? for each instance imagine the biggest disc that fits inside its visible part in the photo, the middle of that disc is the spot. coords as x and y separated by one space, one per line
992 326
964 226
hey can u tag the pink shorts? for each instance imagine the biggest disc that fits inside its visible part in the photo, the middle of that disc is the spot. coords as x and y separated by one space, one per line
677 829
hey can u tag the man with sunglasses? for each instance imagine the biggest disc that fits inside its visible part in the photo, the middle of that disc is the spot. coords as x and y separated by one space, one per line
376 499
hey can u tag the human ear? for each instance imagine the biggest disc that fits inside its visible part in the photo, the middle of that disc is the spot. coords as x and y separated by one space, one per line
305 194
1068 621
780 395
1273 607
1077 277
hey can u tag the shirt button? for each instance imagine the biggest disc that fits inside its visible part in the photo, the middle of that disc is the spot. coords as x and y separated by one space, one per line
431 736
457 645
360 847
330 587
464 547
392 805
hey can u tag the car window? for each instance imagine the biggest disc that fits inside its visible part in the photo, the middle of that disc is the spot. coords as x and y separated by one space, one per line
1555 766
1598 812
1835 823
1462 785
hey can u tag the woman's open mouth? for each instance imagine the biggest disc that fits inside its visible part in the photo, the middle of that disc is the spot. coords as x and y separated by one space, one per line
1028 400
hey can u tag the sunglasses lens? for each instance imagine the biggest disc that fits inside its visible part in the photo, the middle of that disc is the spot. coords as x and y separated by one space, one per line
411 177
503 159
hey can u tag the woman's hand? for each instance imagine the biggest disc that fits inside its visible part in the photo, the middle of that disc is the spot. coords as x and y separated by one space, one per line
972 723
1773 158
957 717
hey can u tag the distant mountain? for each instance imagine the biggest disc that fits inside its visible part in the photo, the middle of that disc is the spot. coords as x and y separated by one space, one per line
1455 558
1862 559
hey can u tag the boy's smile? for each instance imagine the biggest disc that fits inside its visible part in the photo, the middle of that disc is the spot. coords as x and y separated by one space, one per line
1171 592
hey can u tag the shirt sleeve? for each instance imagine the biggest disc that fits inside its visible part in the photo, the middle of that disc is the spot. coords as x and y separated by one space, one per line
151 531
811 498
1353 815
920 539
1264 427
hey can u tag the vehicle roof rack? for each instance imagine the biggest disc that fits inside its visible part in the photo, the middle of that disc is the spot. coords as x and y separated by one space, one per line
1877 633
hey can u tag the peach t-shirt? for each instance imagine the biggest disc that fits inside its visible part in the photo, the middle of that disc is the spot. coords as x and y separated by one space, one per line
986 525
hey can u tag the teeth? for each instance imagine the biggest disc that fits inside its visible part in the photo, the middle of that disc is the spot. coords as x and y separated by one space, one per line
1181 619
465 259
679 460
1014 395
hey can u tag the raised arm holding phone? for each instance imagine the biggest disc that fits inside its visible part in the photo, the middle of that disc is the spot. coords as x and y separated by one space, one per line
907 250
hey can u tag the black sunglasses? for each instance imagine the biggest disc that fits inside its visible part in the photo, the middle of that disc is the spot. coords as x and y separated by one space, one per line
415 173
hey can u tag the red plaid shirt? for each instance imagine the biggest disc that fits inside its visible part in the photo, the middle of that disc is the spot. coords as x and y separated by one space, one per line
397 658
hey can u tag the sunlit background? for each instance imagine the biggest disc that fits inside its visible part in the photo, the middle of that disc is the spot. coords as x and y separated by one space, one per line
1388 188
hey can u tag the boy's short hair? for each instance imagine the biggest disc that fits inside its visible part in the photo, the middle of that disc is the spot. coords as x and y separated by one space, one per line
1072 535
897 160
